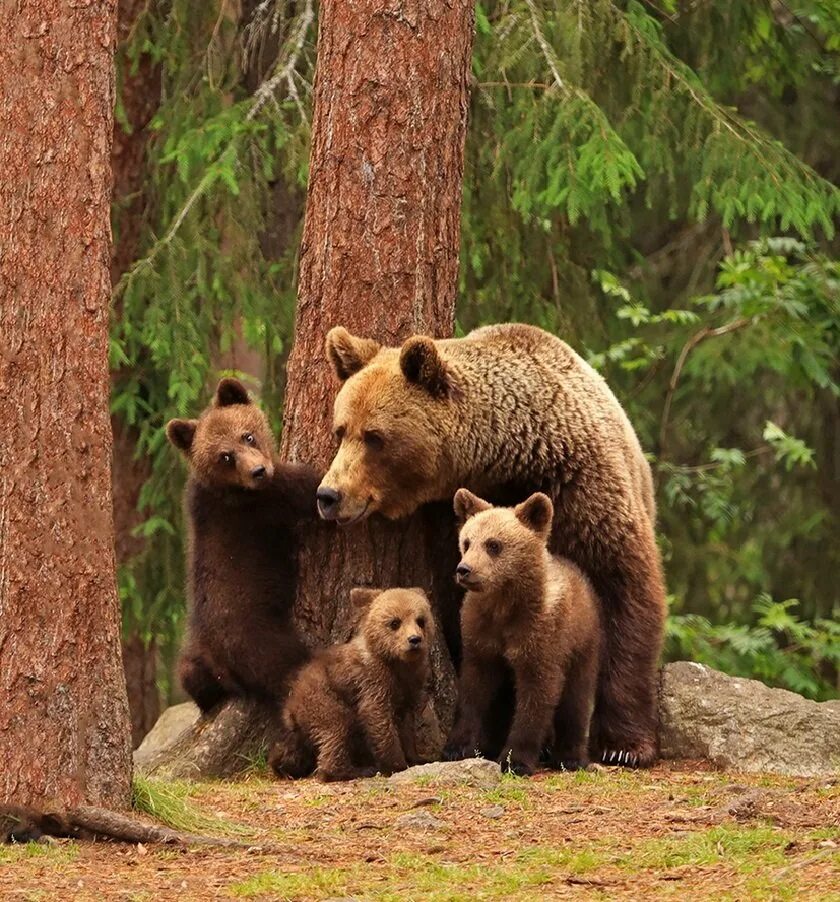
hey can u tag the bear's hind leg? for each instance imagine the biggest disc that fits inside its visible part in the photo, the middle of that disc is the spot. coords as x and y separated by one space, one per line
626 719
291 755
200 681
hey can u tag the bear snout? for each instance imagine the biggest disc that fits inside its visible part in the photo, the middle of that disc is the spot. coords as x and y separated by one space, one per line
415 641
258 472
329 501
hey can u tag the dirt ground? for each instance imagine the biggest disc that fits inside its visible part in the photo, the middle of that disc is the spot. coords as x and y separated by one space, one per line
678 831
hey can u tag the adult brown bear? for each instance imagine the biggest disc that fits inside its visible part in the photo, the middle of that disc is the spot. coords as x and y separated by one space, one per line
507 411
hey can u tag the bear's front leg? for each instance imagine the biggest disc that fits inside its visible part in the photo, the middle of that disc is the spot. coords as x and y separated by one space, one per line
408 726
377 719
480 681
537 691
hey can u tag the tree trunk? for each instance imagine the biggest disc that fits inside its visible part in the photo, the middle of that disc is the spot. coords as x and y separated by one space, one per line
379 255
64 735
139 95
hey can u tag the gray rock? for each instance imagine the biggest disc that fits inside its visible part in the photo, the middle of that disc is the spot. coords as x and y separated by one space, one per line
493 812
743 725
169 726
419 820
470 772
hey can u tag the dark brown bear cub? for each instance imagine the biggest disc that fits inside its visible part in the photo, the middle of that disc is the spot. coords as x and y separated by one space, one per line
242 506
355 707
535 614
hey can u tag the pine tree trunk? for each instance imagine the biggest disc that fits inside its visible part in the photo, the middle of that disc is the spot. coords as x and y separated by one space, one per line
64 734
139 95
380 256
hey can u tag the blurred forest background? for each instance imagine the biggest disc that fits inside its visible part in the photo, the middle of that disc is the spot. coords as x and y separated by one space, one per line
655 182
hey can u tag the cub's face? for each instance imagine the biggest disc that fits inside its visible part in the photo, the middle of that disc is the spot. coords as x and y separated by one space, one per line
387 421
231 444
498 544
397 623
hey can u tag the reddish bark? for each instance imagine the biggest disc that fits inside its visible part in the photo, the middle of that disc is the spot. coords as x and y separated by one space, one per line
64 735
379 255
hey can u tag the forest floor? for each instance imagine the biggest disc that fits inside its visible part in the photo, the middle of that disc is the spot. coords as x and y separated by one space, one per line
678 831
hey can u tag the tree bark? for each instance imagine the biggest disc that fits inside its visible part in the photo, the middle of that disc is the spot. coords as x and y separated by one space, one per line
139 96
379 255
64 734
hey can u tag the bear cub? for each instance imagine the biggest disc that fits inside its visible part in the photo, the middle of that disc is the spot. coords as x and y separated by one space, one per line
242 508
528 613
354 709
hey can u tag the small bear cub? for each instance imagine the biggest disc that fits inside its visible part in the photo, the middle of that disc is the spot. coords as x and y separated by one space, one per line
532 614
243 508
354 708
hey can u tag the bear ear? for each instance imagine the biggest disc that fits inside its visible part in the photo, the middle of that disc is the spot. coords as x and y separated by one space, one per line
362 598
421 364
231 391
348 354
536 513
468 505
181 433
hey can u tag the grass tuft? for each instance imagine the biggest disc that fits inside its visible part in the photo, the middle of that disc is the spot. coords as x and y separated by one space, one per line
166 801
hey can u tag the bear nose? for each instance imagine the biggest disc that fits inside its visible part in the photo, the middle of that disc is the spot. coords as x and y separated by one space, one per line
414 641
328 502
463 569
258 472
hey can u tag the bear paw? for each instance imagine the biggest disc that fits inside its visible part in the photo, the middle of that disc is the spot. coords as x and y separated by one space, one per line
570 764
458 751
518 763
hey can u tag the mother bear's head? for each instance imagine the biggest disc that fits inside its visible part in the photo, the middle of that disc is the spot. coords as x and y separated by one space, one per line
392 419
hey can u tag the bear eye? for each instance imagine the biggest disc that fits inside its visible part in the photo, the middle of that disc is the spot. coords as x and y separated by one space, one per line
421 622
373 440
249 438
466 544
394 624
338 432
494 547
226 458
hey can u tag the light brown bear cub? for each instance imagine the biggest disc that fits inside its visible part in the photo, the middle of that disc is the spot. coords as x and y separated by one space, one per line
355 707
535 614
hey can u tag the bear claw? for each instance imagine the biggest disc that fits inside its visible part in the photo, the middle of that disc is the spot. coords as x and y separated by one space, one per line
621 758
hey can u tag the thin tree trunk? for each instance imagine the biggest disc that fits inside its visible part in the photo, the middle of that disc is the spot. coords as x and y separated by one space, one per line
139 96
380 256
64 734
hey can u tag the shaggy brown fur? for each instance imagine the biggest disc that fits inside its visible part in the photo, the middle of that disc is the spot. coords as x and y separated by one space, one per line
535 614
356 706
507 411
242 506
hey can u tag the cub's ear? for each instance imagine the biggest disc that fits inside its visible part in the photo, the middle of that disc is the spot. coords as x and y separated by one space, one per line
468 505
536 513
421 364
231 391
362 598
181 433
348 354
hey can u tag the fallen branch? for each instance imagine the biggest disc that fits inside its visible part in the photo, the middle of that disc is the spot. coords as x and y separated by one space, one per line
19 824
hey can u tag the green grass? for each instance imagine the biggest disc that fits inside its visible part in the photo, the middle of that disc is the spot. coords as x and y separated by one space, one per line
55 853
755 853
745 848
408 875
167 802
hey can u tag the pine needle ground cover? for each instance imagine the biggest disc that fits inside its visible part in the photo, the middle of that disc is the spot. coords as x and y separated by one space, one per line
677 831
